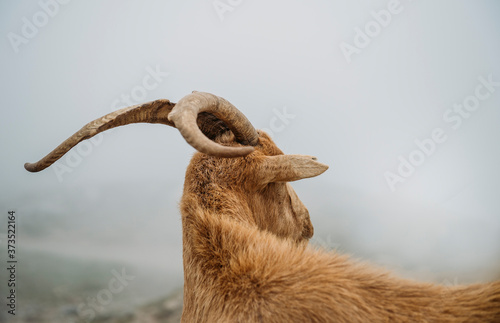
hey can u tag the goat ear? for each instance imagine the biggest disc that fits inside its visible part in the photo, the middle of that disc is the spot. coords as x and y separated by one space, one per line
288 168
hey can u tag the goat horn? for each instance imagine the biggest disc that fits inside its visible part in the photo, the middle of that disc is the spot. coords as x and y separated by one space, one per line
151 112
186 111
160 111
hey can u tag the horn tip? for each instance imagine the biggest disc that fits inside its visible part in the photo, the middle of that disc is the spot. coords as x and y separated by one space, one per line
244 151
31 167
233 152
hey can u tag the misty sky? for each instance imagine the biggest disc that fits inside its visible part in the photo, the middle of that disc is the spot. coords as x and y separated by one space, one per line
401 99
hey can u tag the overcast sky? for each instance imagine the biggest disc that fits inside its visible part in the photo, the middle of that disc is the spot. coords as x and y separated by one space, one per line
400 98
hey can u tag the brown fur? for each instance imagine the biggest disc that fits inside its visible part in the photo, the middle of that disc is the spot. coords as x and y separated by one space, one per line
246 259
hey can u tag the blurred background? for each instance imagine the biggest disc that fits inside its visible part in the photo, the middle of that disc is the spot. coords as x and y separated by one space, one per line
400 98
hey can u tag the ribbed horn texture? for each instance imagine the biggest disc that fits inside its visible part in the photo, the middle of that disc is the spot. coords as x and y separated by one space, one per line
212 114
151 112
184 117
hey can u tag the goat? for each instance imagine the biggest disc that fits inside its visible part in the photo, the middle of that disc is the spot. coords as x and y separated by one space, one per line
245 233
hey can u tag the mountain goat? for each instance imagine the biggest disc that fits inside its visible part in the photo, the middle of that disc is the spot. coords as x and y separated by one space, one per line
245 233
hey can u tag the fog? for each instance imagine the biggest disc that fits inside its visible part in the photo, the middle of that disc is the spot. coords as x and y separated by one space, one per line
400 99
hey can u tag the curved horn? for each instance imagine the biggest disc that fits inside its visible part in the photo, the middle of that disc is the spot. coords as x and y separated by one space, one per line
186 111
151 112
211 110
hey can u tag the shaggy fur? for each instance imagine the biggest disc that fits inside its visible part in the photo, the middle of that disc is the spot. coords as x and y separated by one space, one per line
246 258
